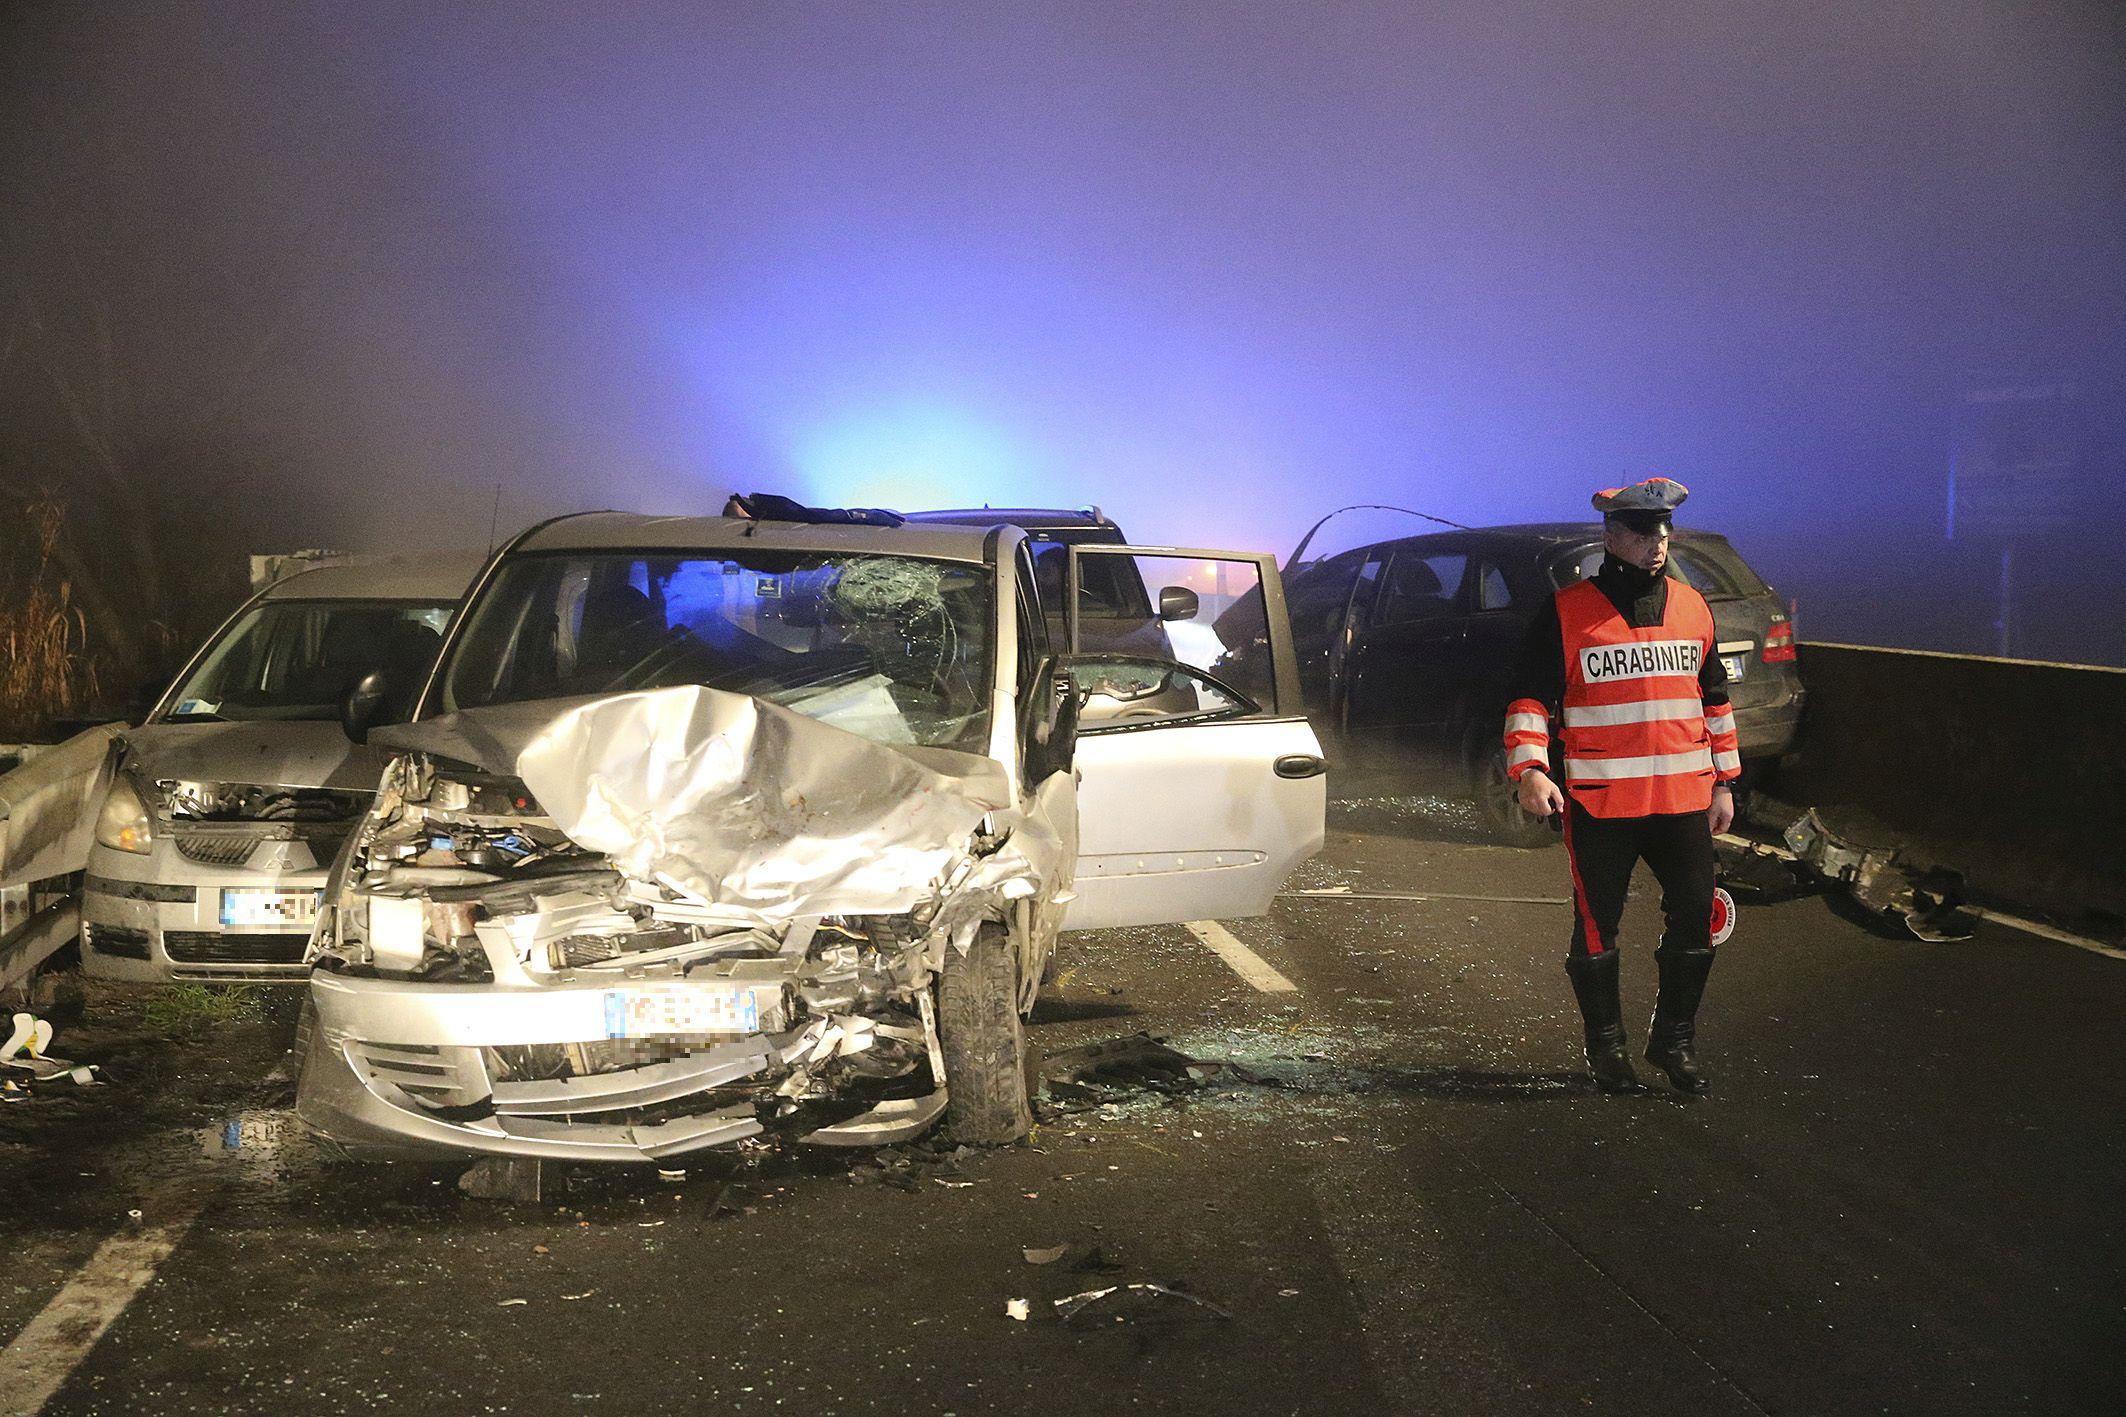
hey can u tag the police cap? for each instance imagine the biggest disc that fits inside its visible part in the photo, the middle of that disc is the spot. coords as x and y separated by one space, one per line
1650 500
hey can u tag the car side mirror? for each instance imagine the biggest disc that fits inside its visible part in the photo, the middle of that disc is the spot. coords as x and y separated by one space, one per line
1052 740
1178 603
1058 736
363 707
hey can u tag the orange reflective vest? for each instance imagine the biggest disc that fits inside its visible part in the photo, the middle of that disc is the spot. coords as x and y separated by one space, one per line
1640 739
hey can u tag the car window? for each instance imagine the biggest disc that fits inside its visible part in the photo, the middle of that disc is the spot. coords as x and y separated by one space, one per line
1316 595
1421 587
1704 573
1209 616
894 648
1688 564
1106 587
1133 692
1491 591
296 659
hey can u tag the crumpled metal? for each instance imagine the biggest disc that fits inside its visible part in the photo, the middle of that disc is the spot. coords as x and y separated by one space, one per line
769 815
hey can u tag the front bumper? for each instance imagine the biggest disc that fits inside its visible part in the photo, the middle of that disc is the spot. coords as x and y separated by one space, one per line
156 918
398 1070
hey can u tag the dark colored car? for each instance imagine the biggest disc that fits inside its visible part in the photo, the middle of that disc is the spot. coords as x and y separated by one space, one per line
1405 647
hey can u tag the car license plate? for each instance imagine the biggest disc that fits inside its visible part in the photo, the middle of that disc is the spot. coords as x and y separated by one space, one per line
249 907
693 1008
1734 663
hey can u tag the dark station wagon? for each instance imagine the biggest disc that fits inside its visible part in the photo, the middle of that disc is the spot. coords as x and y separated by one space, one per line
1405 647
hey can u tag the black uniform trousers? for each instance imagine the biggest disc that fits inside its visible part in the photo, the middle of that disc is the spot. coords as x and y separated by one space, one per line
1677 847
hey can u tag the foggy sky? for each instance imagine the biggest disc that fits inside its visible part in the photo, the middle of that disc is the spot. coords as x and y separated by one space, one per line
1217 268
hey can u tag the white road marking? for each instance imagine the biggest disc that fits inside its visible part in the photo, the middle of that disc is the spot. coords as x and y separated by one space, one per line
52 1344
2046 932
1244 962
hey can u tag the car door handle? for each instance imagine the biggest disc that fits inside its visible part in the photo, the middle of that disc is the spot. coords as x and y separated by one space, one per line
1301 765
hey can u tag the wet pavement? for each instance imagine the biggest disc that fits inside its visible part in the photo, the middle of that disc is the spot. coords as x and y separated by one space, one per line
1391 1191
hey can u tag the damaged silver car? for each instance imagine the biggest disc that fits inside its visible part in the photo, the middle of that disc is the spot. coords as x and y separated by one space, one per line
706 827
218 816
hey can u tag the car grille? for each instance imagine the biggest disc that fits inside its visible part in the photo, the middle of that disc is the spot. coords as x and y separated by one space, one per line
116 940
232 845
217 848
209 947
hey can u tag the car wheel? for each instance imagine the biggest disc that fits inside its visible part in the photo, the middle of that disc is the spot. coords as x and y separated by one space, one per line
987 1061
1498 804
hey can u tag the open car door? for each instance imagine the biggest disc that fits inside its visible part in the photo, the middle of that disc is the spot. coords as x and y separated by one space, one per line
1200 781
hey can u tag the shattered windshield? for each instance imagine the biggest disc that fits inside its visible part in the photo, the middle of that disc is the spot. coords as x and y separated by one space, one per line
893 648
296 659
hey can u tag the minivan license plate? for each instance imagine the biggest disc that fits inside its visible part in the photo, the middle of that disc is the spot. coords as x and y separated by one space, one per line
250 907
1734 663
694 1008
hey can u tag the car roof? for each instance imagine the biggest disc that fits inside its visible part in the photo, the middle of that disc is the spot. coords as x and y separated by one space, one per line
1536 533
439 577
1047 523
634 531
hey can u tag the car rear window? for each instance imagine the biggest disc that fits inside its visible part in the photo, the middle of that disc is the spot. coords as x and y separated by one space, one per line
1703 569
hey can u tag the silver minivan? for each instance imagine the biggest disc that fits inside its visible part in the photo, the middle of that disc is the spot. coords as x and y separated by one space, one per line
708 826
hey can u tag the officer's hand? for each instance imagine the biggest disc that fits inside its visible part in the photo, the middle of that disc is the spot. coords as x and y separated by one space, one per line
1540 796
1722 813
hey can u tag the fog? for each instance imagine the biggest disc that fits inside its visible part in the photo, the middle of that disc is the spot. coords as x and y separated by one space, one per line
1216 268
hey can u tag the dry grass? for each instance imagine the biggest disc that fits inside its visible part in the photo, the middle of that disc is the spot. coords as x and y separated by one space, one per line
45 669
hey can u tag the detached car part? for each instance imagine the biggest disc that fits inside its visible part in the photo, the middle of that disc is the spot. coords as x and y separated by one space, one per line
1851 848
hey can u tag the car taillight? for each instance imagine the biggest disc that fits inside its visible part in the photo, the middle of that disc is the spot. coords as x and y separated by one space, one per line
1779 644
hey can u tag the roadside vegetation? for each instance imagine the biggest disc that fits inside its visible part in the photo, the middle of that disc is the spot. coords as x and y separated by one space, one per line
188 1007
46 670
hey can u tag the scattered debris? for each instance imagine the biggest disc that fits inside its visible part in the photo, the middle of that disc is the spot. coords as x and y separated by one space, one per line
24 1051
1754 872
584 1295
511 1303
1047 1256
1849 846
1019 1309
1096 1072
504 1178
1095 1261
1076 1304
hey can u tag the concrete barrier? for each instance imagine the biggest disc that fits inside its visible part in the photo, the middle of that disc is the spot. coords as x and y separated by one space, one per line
2012 771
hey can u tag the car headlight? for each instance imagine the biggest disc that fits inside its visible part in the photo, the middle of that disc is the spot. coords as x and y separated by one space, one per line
124 823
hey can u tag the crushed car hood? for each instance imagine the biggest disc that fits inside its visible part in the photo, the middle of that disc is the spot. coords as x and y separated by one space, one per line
263 752
740 803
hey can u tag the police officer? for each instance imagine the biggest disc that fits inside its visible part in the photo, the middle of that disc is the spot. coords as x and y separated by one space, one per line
1624 663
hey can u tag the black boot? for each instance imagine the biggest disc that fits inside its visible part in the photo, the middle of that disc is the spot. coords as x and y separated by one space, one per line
1671 1039
1594 982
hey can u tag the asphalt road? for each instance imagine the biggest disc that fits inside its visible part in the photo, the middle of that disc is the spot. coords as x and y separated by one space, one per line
1903 1196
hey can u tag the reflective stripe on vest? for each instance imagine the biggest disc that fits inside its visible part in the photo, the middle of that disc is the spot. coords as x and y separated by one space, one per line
1636 738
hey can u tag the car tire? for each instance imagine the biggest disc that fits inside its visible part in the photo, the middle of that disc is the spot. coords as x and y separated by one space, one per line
988 1064
1498 803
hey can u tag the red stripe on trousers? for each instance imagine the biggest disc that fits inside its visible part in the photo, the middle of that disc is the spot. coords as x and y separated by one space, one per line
1579 890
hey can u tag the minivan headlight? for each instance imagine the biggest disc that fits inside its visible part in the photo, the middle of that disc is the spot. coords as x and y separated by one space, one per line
124 823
